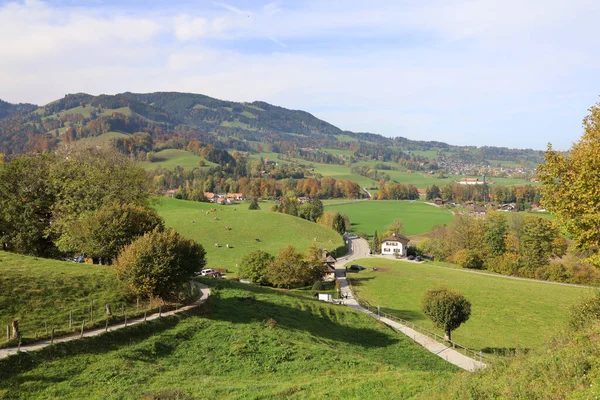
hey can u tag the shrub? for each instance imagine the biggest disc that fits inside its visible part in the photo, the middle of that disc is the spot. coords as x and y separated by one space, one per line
318 285
158 263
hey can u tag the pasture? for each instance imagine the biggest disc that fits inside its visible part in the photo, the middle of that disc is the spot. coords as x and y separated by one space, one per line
368 216
506 313
32 289
171 158
273 230
247 342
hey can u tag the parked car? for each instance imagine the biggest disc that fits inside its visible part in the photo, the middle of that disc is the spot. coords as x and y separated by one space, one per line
417 258
356 267
206 272
411 257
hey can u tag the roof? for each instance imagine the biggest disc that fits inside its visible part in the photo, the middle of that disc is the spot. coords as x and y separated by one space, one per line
327 257
394 238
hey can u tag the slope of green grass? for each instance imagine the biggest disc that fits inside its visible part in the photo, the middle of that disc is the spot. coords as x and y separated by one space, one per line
506 313
368 216
274 230
170 158
32 288
247 342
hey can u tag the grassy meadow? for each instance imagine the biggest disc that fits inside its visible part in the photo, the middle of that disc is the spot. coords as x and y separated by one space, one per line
32 289
274 230
171 158
506 313
368 216
245 343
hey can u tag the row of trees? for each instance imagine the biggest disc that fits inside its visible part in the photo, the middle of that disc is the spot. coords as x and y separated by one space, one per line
286 270
397 191
511 245
523 196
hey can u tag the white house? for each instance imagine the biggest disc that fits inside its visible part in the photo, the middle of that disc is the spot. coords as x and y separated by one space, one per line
395 244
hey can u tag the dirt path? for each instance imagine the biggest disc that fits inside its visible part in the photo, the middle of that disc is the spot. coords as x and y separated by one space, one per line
204 293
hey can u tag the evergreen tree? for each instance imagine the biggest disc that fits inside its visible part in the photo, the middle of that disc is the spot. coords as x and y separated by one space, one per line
339 225
376 244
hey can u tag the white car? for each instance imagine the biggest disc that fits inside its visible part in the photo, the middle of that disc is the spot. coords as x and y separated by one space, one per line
208 271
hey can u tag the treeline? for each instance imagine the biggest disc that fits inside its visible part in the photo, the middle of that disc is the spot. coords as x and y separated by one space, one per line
371 173
523 196
509 244
397 191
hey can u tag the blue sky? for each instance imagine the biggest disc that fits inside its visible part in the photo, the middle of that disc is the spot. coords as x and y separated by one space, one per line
506 73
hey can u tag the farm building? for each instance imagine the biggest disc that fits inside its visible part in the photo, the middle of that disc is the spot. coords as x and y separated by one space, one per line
395 245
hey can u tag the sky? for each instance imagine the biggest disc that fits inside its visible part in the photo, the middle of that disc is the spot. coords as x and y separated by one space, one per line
508 73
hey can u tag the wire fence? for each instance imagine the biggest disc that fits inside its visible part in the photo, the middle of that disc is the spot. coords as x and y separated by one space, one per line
84 315
476 355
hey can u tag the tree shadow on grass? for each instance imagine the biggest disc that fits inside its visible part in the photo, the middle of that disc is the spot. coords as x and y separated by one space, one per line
319 321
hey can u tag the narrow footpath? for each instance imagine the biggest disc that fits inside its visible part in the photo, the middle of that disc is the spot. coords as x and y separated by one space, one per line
203 290
358 248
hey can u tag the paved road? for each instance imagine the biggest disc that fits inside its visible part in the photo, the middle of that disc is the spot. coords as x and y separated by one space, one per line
359 248
204 293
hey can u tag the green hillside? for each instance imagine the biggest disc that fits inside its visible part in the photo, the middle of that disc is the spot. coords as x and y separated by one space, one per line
247 342
506 313
274 230
32 289
170 158
369 216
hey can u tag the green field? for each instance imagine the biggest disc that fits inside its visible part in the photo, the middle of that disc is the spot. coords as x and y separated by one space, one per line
172 158
32 288
506 313
274 230
368 216
247 342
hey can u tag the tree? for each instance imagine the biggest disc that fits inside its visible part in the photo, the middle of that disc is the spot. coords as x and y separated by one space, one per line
26 199
494 233
315 264
103 234
255 267
254 205
375 243
396 228
289 269
158 263
570 186
448 309
338 224
539 241
433 192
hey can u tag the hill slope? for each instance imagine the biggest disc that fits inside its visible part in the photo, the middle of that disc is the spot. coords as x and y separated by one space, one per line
247 342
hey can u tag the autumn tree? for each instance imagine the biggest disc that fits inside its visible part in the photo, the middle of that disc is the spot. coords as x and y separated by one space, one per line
289 269
494 233
571 186
158 263
103 233
255 267
447 308
433 192
396 228
314 263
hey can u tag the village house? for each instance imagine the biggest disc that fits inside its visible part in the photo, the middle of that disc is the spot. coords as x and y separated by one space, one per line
172 192
329 262
303 200
508 207
438 201
395 245
210 196
471 181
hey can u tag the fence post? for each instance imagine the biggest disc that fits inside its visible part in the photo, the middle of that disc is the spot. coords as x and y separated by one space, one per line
125 319
137 306
122 309
70 319
52 336
8 333
82 325
159 310
92 311
379 312
145 316
19 345
106 326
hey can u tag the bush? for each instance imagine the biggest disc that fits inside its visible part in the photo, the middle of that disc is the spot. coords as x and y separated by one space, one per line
318 285
158 263
254 205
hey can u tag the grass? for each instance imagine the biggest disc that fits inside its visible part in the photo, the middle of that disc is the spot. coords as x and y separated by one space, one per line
32 289
104 138
171 158
368 216
246 343
274 230
506 313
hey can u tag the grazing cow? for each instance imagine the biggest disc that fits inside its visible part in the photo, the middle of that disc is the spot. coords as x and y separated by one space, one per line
256 239
216 218
216 244
227 245
193 221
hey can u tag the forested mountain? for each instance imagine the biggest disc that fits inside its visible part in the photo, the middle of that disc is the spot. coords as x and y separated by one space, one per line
174 119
